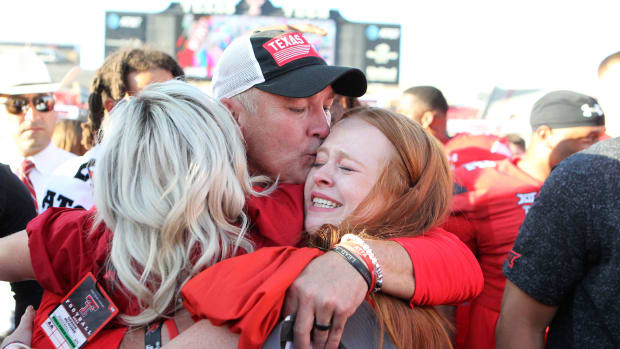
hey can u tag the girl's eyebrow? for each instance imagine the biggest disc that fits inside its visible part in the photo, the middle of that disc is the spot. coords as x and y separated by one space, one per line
340 155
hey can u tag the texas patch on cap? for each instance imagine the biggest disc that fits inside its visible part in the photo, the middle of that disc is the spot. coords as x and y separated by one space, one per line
283 63
562 109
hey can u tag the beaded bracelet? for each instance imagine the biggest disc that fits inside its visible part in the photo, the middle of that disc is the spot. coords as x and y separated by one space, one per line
356 239
356 263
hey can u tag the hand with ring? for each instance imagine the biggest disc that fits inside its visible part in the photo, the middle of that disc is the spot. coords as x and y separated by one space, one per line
323 297
320 327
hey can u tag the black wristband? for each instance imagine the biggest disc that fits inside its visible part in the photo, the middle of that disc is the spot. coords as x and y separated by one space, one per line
152 335
357 263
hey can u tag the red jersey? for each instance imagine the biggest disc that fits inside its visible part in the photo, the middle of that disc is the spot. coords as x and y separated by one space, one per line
465 147
490 203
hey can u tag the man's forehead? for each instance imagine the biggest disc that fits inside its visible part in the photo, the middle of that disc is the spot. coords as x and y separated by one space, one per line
581 130
325 94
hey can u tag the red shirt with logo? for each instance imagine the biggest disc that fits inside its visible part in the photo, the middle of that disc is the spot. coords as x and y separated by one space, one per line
464 148
490 203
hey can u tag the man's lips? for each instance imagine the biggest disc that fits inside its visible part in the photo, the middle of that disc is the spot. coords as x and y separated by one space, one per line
32 129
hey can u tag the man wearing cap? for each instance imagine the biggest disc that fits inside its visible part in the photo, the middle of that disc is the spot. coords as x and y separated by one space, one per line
26 92
280 90
492 199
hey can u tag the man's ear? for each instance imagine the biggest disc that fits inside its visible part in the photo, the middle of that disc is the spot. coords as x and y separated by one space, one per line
109 104
544 133
427 119
233 106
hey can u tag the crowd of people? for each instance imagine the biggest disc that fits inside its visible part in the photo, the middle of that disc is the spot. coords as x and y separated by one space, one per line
280 211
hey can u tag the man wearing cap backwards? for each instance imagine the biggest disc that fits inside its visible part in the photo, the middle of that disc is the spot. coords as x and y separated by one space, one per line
492 199
26 90
280 90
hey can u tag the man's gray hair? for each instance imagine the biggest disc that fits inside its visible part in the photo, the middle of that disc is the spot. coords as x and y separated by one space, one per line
248 99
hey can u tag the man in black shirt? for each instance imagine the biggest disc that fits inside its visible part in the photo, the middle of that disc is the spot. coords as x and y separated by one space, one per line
16 210
564 269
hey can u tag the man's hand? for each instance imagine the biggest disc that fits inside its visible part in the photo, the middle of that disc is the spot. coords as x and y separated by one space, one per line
23 332
327 292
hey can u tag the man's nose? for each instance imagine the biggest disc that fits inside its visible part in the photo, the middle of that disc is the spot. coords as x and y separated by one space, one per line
319 125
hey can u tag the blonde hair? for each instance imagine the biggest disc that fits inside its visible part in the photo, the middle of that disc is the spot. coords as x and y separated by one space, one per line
170 183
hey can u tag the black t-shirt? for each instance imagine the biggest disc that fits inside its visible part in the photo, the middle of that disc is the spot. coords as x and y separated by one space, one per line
567 253
16 210
16 204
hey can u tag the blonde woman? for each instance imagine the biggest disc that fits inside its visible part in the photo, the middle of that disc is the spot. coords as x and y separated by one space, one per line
170 193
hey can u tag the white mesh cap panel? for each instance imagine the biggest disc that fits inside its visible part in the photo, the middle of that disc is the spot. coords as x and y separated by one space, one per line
237 69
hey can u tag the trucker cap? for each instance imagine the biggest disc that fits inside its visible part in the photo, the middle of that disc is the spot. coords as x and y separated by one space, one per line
561 109
284 63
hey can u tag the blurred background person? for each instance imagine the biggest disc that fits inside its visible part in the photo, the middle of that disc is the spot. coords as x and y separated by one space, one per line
516 144
428 106
493 197
124 73
26 90
16 210
609 92
340 105
68 136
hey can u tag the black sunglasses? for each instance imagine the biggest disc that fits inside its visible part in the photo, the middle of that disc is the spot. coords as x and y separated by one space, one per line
19 104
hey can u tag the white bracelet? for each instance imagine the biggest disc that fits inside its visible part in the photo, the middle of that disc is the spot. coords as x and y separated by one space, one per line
358 240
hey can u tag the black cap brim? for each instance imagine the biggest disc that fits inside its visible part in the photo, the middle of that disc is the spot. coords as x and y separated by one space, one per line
311 79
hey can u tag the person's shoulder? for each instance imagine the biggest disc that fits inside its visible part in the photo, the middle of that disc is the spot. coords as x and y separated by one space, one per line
5 170
71 165
601 158
64 155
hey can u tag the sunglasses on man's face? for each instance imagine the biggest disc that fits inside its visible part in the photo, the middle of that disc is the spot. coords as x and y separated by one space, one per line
18 105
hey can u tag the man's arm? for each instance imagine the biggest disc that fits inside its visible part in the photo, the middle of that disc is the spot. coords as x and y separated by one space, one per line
331 289
522 320
15 264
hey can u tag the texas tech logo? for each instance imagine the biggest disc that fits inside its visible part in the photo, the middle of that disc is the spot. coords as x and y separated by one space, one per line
89 305
526 200
512 257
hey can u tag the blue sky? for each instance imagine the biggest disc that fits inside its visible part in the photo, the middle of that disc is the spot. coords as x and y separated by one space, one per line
463 47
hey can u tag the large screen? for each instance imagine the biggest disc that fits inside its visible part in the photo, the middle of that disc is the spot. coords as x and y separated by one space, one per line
201 39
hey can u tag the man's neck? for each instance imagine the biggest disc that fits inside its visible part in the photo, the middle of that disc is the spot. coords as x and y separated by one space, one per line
441 136
535 166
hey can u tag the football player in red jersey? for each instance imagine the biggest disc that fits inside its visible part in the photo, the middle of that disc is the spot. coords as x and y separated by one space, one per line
428 106
493 197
